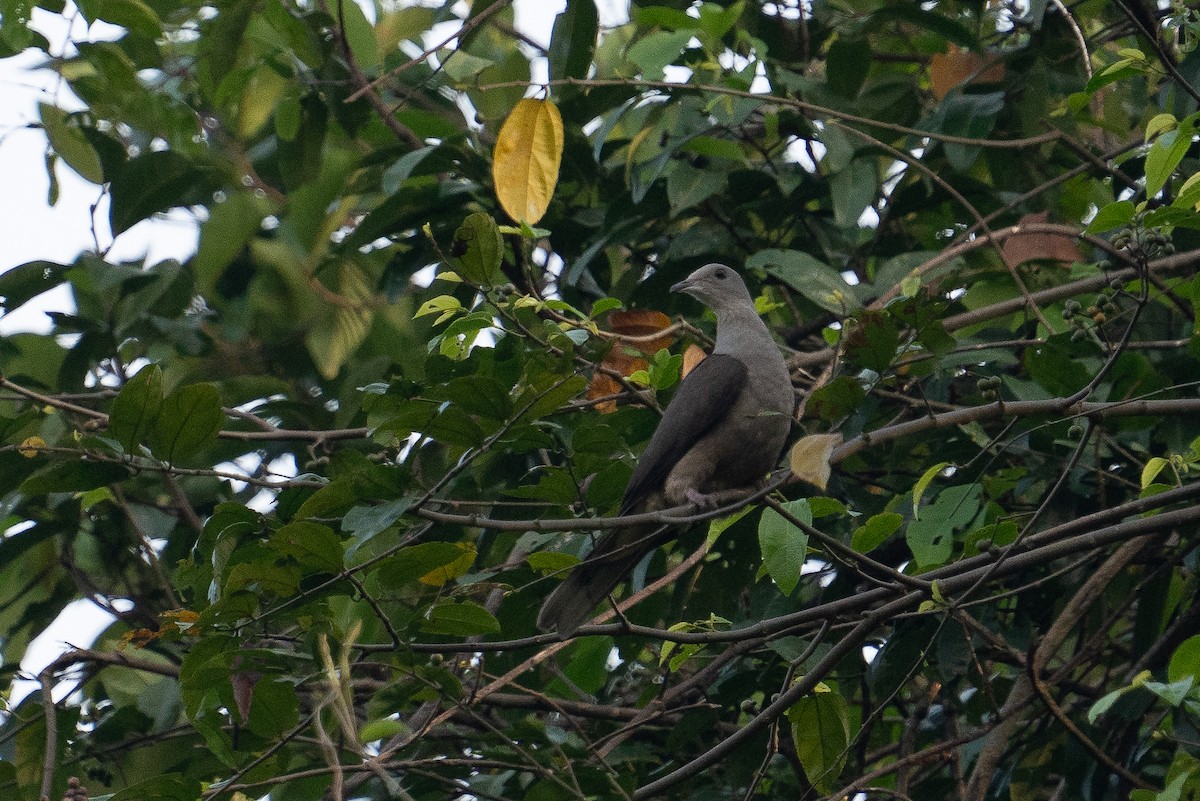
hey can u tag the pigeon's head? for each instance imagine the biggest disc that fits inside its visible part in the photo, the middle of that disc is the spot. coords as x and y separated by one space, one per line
716 286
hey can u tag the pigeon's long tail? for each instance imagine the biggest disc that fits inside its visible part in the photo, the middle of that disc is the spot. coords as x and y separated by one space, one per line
614 557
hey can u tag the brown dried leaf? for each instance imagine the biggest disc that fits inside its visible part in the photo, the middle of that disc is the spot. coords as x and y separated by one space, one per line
243 682
624 356
948 70
809 459
1022 247
692 358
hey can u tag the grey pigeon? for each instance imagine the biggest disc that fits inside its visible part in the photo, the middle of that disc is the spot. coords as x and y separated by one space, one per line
724 429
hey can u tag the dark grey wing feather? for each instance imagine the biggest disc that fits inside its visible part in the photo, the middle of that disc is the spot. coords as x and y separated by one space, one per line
702 400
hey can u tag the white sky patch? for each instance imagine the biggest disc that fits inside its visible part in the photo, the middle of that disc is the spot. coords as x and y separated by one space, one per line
78 625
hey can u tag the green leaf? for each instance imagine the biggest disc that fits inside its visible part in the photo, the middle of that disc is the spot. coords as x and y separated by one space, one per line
364 522
970 115
75 476
445 305
1185 661
431 563
358 31
1160 123
133 15
573 40
464 619
813 279
923 483
783 545
654 52
21 284
551 562
150 183
228 229
136 408
381 729
395 175
70 143
1105 703
689 186
1154 466
1165 154
1174 693
853 190
462 66
718 527
873 340
336 335
931 538
188 420
878 528
845 67
821 731
837 399
554 397
311 544
1114 215
274 709
587 667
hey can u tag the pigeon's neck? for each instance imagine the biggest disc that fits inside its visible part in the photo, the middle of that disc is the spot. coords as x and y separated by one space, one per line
739 328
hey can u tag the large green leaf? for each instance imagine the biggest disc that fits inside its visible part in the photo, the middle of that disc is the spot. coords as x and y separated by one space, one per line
188 420
150 183
573 40
135 409
75 476
821 731
783 545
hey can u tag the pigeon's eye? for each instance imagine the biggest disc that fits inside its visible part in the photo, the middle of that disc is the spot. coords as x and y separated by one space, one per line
720 274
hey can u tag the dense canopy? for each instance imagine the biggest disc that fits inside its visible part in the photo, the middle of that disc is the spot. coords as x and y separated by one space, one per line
324 472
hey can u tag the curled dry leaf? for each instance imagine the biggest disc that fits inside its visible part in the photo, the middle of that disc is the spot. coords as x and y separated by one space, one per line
809 459
627 357
692 358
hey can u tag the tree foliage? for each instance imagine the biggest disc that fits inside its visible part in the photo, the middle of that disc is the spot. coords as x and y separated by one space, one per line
323 472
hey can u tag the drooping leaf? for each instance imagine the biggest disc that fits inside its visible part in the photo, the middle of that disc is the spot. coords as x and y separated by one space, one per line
150 183
573 40
821 731
783 545
70 143
478 250
188 420
135 409
526 159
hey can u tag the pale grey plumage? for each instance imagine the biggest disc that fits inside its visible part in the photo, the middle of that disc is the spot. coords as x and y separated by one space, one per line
724 429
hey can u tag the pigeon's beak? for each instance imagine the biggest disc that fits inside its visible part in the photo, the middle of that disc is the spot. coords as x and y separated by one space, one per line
682 286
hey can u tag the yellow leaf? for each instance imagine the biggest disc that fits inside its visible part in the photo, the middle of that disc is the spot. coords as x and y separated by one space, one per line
31 447
526 159
810 458
452 570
